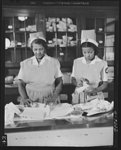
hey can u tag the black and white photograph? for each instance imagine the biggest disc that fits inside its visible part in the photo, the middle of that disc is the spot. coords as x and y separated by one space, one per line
59 73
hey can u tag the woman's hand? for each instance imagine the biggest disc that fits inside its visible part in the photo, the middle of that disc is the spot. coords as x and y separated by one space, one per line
52 99
80 83
91 91
25 102
55 98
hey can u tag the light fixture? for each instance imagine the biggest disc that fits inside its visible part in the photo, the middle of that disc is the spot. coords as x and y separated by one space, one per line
22 18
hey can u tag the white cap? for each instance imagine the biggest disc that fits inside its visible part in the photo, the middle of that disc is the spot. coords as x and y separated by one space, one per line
88 36
37 35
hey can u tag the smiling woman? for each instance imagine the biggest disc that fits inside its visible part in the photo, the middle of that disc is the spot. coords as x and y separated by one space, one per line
37 75
38 48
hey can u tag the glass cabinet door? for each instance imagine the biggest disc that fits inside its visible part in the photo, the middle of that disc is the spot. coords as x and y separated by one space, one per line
9 39
61 35
109 50
17 33
97 24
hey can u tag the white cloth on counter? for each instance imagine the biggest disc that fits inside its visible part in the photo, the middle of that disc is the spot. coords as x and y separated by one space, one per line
61 110
40 112
10 110
35 113
95 106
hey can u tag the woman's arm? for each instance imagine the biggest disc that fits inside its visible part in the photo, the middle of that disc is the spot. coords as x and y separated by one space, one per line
94 91
56 92
102 87
73 81
76 83
21 88
23 99
58 86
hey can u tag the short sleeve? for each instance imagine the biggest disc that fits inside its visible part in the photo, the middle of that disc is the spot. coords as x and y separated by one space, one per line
21 72
104 73
58 72
73 69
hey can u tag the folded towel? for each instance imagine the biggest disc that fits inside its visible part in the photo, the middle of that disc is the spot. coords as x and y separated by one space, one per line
10 110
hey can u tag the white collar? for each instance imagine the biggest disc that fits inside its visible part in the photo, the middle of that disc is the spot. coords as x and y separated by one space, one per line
93 61
35 62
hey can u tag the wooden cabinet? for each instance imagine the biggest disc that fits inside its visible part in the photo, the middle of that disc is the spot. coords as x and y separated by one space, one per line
62 31
17 30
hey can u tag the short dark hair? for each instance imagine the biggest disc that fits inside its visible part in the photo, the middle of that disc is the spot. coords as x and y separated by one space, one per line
39 41
89 44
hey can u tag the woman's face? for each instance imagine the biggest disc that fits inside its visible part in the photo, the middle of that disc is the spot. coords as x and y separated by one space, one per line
88 53
38 50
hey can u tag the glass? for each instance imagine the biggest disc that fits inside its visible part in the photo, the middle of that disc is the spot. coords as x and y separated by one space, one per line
10 37
110 25
111 72
8 24
100 95
20 39
17 31
101 53
90 23
19 25
100 39
109 53
51 24
51 40
71 25
30 24
61 35
100 24
109 40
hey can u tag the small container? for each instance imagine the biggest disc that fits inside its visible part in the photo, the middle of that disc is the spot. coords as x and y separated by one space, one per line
100 95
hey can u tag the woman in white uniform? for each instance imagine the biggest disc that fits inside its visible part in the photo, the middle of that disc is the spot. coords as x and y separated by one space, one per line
37 76
89 68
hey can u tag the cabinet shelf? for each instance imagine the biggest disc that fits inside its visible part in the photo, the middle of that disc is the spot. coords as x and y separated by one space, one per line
62 46
98 32
51 32
9 31
25 31
12 65
61 32
10 48
24 47
18 47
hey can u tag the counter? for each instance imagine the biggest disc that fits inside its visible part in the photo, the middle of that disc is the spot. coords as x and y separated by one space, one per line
91 131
